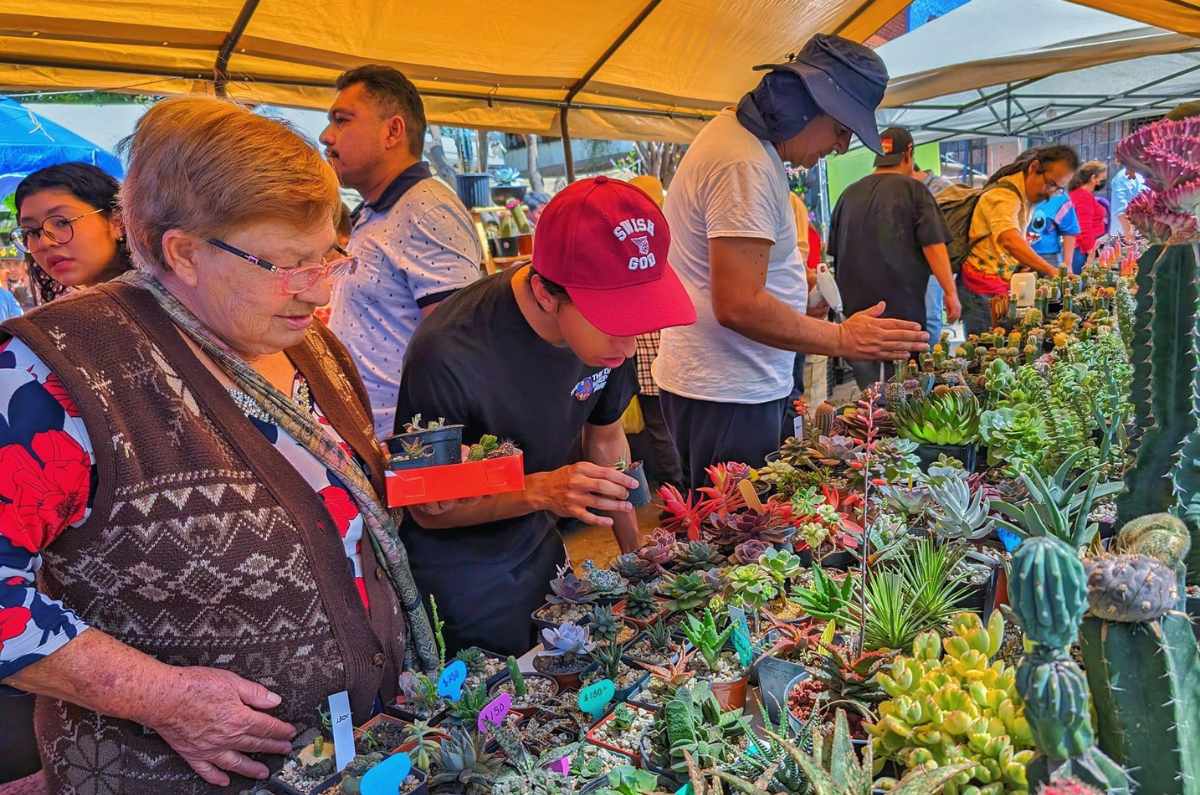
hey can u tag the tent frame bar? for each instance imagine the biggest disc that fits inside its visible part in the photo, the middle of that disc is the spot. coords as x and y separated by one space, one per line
578 85
221 67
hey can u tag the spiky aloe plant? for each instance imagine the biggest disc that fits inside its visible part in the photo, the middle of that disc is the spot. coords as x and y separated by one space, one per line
947 416
1058 507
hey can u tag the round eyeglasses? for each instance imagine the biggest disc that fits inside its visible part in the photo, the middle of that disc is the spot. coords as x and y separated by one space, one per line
56 229
337 263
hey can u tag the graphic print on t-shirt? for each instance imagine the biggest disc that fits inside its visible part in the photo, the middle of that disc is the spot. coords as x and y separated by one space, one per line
591 385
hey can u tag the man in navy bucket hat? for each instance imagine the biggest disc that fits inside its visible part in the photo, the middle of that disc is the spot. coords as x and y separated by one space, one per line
725 381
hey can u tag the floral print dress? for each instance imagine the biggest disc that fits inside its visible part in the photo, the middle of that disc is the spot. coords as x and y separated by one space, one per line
47 479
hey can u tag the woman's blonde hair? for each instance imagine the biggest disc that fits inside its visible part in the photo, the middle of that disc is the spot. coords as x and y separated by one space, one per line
207 165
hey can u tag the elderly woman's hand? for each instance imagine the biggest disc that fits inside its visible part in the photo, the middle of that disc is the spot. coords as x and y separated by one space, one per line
215 718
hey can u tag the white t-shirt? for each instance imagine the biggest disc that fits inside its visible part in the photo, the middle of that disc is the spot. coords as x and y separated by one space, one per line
729 184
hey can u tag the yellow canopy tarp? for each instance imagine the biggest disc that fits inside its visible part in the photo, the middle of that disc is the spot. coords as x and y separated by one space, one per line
503 66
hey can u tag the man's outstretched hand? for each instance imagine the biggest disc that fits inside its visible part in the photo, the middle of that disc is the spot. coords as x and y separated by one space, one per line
866 335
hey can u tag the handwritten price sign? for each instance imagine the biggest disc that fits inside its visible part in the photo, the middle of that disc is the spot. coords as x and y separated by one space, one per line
387 776
450 683
493 714
595 697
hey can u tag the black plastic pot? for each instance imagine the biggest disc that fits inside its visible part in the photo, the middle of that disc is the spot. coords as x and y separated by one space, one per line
667 777
775 678
838 560
567 680
508 246
444 444
966 453
982 598
473 190
542 623
641 495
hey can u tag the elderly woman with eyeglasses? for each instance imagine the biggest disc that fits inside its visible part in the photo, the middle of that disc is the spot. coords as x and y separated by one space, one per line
69 228
193 551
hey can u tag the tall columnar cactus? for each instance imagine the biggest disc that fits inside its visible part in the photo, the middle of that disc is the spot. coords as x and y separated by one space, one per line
1048 591
1185 475
1171 413
1145 681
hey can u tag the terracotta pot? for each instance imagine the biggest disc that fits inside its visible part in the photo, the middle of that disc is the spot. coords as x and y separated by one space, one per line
731 695
569 680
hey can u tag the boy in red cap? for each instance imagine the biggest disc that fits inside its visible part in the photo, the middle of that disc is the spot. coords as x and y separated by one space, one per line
539 355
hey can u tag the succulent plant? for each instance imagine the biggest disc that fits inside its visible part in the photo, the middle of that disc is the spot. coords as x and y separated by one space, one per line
604 624
465 763
609 657
824 416
893 459
606 583
737 528
955 513
693 724
781 564
826 598
640 602
419 691
660 551
675 673
567 640
831 451
1058 506
1160 535
704 635
748 552
956 707
517 677
1130 588
1047 590
1067 786
635 568
566 588
698 556
850 679
475 659
753 586
659 634
687 592
946 416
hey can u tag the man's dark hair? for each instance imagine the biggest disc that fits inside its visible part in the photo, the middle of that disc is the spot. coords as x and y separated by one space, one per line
396 94
1044 155
554 288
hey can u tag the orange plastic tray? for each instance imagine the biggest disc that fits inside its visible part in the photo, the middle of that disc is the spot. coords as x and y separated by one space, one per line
455 481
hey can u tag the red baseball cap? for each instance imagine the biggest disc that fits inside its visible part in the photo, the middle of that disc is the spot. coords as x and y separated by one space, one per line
606 242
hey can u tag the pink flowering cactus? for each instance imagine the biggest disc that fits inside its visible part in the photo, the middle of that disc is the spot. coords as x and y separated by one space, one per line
1168 154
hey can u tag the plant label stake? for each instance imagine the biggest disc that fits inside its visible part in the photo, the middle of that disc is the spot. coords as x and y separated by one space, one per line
450 683
686 789
595 697
742 644
562 766
387 776
493 714
342 726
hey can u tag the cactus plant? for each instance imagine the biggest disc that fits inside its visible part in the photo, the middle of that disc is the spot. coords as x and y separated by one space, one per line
518 679
823 417
956 707
1145 682
1056 703
1159 535
1067 786
1130 588
1047 589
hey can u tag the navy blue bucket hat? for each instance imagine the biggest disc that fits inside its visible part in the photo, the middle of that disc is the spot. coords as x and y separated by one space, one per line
845 79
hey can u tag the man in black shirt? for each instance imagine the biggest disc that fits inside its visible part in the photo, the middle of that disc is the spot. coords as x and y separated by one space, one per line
886 236
538 355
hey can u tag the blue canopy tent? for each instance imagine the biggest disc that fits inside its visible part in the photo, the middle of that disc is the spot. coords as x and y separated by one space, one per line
29 142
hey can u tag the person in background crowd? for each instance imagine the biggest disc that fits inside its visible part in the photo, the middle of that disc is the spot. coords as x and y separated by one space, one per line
999 226
415 240
343 227
69 228
935 297
1093 219
1053 229
653 445
1126 184
539 354
189 432
725 382
935 182
886 238
536 202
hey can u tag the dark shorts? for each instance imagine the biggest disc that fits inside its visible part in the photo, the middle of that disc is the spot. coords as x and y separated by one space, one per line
707 433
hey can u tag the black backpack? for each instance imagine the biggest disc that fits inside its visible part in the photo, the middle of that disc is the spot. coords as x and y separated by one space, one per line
957 204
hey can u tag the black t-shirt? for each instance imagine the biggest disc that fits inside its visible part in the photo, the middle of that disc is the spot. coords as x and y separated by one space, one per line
876 234
476 361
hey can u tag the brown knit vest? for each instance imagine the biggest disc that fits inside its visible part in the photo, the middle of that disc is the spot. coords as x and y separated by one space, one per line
204 545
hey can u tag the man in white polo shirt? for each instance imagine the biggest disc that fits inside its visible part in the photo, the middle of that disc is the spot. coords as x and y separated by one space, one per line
415 241
725 381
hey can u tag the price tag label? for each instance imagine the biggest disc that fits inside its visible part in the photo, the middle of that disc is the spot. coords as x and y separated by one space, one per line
562 766
493 714
387 776
595 697
450 683
343 729
798 426
686 789
742 645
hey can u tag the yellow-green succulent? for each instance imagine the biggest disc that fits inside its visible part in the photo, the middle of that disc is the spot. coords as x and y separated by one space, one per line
950 704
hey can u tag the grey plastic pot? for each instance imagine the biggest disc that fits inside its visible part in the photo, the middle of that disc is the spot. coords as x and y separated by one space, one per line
775 680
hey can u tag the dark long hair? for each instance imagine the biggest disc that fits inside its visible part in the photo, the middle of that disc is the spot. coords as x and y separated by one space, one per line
1045 155
88 183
